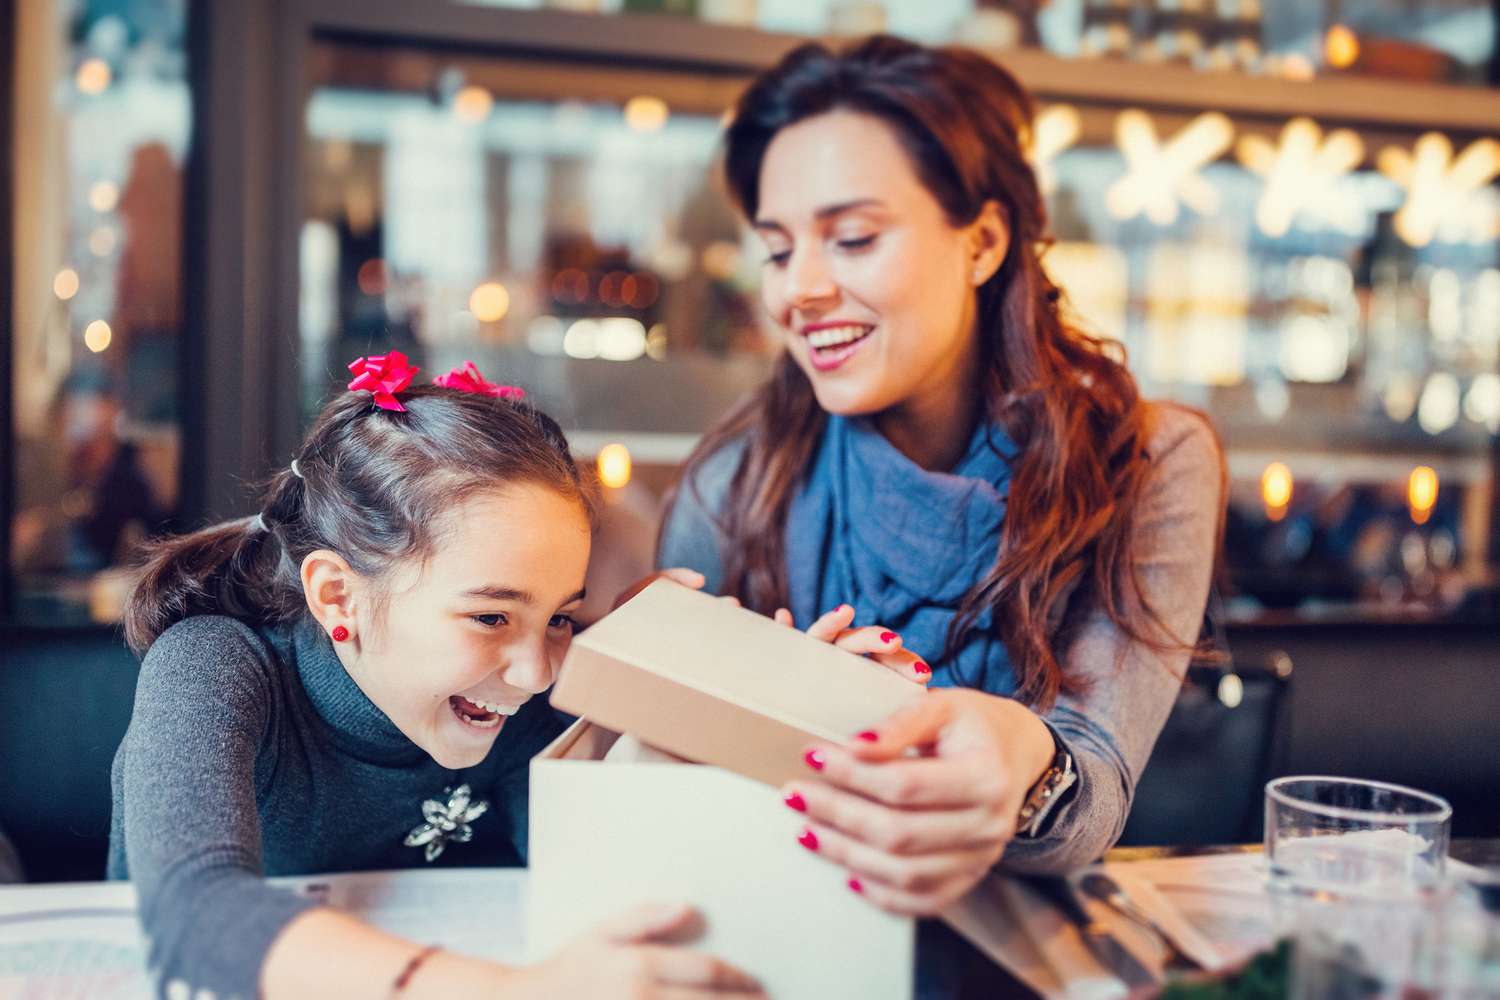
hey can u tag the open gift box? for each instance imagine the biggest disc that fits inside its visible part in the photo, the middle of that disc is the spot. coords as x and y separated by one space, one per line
744 697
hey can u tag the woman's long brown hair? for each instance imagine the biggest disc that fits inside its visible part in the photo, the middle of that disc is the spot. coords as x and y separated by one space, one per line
1065 398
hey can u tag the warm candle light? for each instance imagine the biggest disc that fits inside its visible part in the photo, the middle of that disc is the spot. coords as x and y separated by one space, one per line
614 465
1421 493
1341 47
1276 490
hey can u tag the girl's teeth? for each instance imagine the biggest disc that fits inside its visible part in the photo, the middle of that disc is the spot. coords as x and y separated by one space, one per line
834 336
496 707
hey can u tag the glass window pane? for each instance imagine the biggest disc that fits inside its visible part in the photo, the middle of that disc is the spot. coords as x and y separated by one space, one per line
562 227
102 121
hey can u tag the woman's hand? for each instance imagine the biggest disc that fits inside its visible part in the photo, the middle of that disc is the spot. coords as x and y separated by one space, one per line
917 832
678 574
634 956
876 641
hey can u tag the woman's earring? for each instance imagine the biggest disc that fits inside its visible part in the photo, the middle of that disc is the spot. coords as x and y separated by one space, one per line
340 633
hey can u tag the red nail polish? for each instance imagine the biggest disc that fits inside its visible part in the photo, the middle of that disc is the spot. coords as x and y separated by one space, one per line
856 885
887 637
815 759
796 801
921 668
869 736
808 839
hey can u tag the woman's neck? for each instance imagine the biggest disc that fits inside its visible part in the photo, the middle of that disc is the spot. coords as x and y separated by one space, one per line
932 431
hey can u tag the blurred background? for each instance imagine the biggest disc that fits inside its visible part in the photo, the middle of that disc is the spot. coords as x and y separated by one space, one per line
1287 211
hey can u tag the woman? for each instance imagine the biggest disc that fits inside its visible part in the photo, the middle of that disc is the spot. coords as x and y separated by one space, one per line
941 449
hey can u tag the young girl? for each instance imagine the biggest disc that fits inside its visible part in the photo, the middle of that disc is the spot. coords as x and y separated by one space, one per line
354 679
941 448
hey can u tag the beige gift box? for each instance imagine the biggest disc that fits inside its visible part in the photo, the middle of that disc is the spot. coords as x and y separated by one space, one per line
734 691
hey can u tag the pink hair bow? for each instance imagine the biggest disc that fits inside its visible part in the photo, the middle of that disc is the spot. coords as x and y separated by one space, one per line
466 378
383 375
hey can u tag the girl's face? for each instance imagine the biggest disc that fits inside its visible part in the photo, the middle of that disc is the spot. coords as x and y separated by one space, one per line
873 286
467 638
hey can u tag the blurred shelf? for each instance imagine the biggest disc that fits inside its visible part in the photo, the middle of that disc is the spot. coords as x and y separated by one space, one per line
691 44
1329 99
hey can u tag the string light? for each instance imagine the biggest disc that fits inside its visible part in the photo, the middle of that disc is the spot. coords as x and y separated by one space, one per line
97 336
94 75
104 196
490 302
1160 175
1300 172
646 114
1439 186
65 284
1056 129
472 104
614 466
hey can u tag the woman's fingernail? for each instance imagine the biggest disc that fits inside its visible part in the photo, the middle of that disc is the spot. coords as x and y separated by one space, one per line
888 637
808 839
846 607
796 801
815 759
856 885
921 668
869 736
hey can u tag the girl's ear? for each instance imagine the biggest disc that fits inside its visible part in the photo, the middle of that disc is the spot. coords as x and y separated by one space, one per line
989 241
333 591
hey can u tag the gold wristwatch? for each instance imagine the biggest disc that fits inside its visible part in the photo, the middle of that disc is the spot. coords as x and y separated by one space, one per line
1045 794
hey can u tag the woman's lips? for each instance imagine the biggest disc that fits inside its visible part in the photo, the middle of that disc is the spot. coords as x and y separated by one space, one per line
829 346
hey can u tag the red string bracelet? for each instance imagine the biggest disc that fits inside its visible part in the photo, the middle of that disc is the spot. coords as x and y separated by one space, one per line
412 965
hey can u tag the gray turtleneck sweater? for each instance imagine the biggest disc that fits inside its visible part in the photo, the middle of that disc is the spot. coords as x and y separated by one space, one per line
251 752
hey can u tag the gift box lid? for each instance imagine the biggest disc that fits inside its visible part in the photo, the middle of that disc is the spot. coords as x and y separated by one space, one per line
717 684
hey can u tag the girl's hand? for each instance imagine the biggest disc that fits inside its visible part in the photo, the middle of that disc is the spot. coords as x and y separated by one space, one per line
916 833
634 956
876 641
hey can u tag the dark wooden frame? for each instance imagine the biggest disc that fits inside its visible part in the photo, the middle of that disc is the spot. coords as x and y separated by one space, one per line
245 187
7 301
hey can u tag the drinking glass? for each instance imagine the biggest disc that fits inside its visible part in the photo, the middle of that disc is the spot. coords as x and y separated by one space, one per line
1356 879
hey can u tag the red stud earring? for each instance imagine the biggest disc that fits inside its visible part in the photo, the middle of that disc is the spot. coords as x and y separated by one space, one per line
340 633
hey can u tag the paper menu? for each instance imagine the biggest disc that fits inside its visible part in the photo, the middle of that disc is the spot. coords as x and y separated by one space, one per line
83 939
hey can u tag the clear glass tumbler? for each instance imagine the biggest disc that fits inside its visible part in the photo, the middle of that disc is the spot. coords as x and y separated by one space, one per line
1356 879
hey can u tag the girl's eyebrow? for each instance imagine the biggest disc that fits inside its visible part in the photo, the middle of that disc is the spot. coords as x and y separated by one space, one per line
826 212
495 592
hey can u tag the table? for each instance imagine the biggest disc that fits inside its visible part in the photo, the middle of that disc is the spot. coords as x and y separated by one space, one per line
82 939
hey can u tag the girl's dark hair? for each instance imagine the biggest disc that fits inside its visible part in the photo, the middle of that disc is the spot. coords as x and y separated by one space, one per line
1064 397
369 484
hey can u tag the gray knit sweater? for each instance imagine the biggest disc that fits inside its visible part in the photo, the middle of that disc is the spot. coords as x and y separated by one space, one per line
252 752
1112 725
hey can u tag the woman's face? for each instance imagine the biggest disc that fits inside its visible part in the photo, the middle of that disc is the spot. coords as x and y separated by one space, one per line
873 286
467 638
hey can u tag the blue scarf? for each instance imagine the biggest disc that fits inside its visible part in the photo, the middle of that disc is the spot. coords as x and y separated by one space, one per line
903 545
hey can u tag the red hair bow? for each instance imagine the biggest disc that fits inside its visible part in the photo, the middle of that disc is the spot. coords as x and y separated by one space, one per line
383 375
466 378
